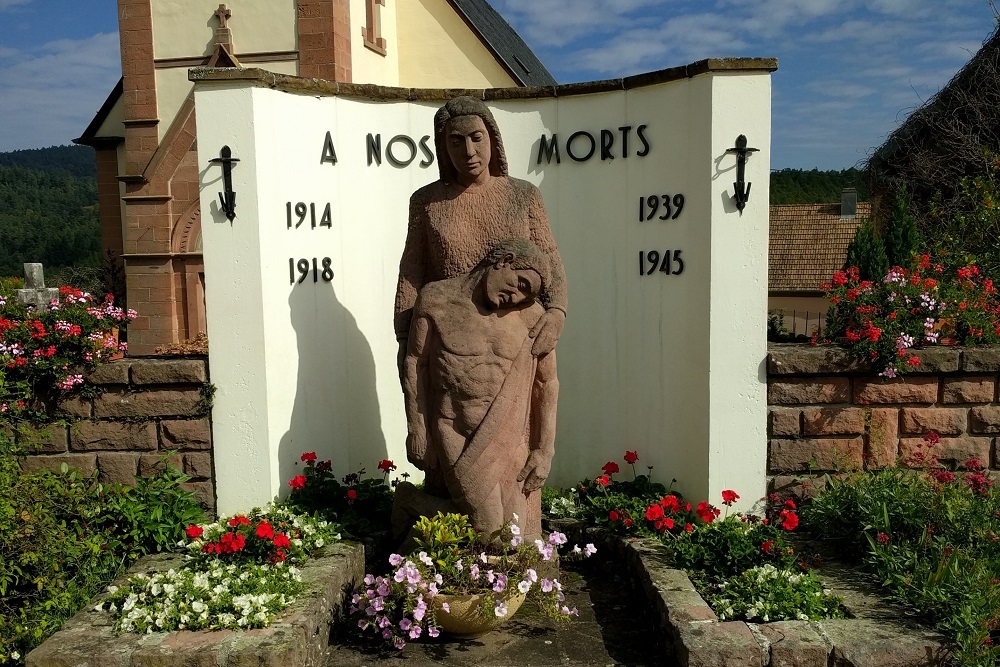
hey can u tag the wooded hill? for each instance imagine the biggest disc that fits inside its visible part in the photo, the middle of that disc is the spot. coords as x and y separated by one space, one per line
48 204
48 209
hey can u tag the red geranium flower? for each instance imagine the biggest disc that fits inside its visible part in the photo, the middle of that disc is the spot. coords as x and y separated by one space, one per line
789 519
281 541
628 522
239 520
654 512
670 503
729 497
194 532
297 482
352 494
688 527
790 504
631 457
767 546
613 516
265 531
385 465
883 538
706 512
603 480
610 468
309 456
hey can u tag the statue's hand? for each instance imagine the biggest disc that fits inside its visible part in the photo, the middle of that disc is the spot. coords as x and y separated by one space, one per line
546 331
416 450
535 471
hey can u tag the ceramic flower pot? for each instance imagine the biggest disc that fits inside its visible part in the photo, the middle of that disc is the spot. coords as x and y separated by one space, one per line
465 616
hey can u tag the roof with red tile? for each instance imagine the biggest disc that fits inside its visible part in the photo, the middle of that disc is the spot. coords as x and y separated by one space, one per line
808 242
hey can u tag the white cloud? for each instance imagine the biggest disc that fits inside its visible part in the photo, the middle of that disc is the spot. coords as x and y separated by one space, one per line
7 4
53 91
558 22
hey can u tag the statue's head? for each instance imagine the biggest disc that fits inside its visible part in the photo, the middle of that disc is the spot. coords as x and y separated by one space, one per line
467 141
515 271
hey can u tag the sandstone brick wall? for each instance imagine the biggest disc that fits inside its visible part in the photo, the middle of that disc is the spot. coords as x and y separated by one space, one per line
145 409
829 413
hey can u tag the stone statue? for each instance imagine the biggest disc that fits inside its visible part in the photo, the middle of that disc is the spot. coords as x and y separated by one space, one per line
472 207
480 406
453 223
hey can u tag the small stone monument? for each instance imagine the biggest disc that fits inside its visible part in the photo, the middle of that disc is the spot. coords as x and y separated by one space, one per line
35 293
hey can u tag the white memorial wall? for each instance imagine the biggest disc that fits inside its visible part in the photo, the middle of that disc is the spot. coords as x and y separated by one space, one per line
664 347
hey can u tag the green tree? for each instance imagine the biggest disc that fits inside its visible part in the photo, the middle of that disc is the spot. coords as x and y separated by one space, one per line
901 237
867 252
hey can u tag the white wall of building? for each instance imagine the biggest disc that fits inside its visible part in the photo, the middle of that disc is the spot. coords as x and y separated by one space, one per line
186 28
669 365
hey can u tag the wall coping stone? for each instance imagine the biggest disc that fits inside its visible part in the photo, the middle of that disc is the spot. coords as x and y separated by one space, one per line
297 638
804 359
878 634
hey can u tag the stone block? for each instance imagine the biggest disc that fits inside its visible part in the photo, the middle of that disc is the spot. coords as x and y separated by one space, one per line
803 360
795 644
833 421
785 421
45 439
937 360
970 389
883 438
805 455
800 487
116 468
984 419
90 436
114 372
74 406
952 451
154 464
186 434
85 463
863 643
729 644
943 421
157 403
909 389
168 371
798 391
198 465
683 606
981 361
204 493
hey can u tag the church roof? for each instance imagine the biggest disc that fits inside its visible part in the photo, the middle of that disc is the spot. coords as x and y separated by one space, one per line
504 42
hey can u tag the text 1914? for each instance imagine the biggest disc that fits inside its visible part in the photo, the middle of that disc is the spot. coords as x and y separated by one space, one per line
321 269
296 214
650 263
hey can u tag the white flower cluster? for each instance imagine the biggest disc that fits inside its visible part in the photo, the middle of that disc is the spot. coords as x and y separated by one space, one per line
216 597
766 593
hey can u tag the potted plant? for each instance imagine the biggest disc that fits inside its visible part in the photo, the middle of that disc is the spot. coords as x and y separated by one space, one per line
461 582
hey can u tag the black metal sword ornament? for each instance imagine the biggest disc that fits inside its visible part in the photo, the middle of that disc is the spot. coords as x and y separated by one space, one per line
227 198
741 189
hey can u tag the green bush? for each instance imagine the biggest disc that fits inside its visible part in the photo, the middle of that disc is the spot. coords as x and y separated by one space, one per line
64 536
900 235
932 538
867 252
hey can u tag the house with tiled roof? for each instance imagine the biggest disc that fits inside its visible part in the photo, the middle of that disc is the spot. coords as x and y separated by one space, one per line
144 134
808 242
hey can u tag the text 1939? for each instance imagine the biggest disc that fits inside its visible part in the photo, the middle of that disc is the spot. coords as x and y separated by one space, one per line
301 210
320 269
649 263
649 206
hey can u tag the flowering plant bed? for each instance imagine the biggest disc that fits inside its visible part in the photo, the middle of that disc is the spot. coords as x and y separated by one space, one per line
490 573
360 505
931 536
923 304
45 352
235 576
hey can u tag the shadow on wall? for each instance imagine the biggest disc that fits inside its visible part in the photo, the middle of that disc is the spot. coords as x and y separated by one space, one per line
335 388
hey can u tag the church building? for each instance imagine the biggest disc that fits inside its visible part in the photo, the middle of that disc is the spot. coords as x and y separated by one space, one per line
144 134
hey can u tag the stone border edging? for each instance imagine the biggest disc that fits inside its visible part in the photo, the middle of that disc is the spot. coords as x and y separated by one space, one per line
803 359
298 638
699 639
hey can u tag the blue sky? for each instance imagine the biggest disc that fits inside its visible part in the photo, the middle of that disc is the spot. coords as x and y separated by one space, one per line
849 70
